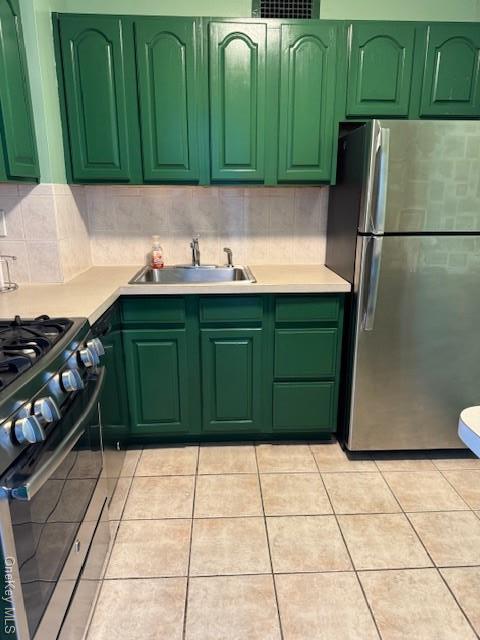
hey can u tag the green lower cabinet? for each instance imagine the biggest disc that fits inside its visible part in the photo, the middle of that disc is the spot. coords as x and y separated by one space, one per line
157 381
304 406
232 366
231 361
115 418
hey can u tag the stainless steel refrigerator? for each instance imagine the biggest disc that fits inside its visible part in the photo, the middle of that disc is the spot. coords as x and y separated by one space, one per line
404 229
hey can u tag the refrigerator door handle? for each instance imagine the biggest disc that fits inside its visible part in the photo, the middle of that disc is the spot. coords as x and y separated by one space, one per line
371 290
378 221
376 139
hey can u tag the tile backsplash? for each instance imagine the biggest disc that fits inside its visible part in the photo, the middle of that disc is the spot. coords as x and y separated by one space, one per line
58 231
260 225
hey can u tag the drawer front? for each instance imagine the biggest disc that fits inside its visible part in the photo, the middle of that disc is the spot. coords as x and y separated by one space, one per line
323 308
169 310
304 406
305 353
231 309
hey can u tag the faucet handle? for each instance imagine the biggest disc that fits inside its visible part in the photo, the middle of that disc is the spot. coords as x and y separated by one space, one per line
229 256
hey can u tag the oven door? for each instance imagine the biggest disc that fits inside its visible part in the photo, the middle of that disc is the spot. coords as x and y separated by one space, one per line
51 506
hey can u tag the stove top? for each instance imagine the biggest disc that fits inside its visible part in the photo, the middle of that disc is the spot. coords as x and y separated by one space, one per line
24 342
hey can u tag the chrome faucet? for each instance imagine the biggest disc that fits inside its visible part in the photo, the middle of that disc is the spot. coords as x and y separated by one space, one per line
195 252
229 256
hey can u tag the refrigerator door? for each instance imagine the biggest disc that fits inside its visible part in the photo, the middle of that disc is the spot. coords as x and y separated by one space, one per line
421 176
417 345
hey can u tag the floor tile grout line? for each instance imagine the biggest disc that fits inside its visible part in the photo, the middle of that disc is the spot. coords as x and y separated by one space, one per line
110 551
277 604
435 567
347 549
455 489
184 626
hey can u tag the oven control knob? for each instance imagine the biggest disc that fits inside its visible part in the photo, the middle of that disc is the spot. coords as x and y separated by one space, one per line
28 429
71 380
88 357
95 344
46 410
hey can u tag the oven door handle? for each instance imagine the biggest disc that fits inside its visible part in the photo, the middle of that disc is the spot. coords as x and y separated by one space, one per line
36 481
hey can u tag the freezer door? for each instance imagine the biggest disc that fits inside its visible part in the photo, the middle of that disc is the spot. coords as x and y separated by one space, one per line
422 176
416 360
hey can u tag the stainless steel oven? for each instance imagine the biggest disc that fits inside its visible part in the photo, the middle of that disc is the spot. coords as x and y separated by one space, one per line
54 524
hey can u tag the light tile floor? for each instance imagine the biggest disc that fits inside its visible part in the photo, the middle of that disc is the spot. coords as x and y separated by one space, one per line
292 541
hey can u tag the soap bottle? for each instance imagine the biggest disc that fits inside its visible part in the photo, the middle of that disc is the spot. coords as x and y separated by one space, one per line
156 255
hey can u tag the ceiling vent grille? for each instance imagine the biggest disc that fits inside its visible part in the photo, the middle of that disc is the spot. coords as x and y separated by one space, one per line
286 9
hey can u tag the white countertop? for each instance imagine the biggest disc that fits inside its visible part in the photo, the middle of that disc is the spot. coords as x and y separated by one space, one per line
92 292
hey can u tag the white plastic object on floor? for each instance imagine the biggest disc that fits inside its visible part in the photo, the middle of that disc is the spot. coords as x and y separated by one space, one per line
469 428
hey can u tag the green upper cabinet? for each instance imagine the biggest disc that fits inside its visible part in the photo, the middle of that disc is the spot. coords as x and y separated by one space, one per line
451 83
237 70
168 95
17 128
307 92
380 65
100 94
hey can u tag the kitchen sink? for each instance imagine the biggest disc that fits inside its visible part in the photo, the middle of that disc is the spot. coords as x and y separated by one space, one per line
193 275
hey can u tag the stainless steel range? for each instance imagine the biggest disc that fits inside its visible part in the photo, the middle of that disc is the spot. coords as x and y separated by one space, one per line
53 515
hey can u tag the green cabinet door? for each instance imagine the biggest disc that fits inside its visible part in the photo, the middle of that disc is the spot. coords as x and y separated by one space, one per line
451 82
307 93
157 381
17 128
115 417
380 65
167 88
232 380
100 97
237 101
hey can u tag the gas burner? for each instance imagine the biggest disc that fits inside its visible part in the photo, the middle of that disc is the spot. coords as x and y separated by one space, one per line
23 342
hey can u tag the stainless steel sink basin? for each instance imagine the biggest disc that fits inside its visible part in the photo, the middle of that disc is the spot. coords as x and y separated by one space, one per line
193 275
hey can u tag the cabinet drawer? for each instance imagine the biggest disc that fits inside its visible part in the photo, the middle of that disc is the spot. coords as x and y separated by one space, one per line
305 353
231 309
307 308
168 310
304 406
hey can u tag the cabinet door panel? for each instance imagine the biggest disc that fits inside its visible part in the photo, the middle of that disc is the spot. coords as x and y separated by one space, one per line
231 379
380 62
166 51
16 112
305 353
100 96
451 83
157 379
307 85
237 101
304 406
